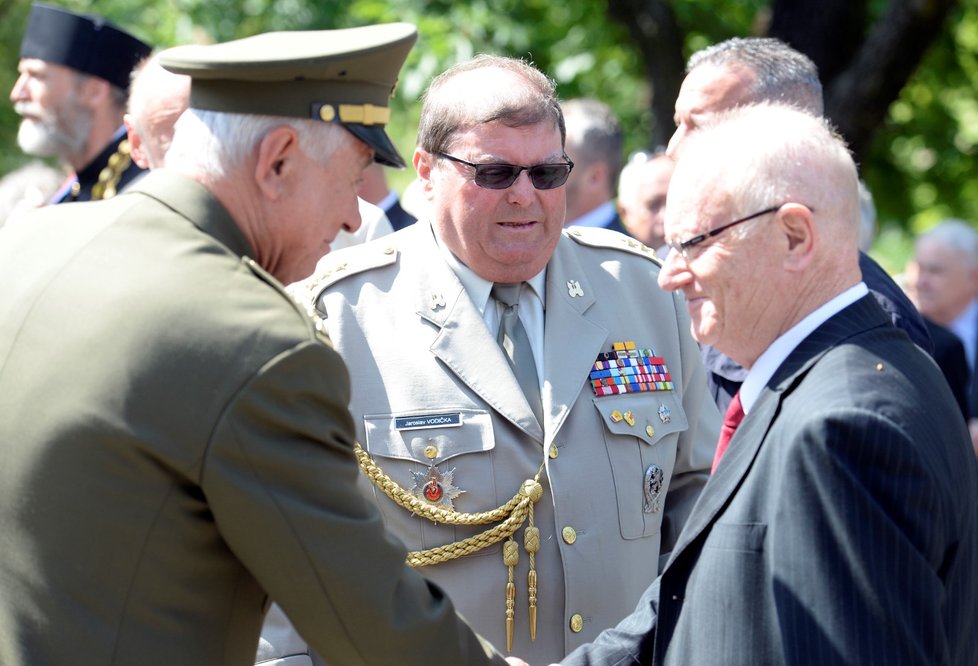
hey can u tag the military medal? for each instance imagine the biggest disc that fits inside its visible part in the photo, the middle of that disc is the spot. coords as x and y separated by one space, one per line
435 487
651 488
628 369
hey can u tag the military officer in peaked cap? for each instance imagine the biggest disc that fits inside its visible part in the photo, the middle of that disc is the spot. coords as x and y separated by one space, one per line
176 442
71 94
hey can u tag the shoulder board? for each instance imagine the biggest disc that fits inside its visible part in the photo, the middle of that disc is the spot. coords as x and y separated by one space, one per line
605 238
334 267
304 309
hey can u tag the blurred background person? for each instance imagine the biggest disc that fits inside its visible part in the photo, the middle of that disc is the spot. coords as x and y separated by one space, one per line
374 189
157 97
28 187
594 145
943 276
642 188
71 93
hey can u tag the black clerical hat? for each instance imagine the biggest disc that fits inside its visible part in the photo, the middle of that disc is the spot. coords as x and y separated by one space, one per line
85 42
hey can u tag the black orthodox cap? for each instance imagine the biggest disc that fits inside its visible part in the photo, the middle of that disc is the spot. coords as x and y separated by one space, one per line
86 42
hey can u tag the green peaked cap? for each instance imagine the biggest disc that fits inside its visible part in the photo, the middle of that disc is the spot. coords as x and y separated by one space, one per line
344 76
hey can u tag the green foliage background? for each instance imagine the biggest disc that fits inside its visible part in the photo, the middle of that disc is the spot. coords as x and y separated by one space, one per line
921 168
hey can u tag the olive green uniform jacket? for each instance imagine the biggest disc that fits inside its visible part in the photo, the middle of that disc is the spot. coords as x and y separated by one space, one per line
432 388
176 447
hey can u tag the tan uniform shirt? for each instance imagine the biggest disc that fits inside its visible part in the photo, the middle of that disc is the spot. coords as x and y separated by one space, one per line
433 394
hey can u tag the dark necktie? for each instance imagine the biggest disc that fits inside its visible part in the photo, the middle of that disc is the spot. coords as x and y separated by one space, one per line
732 419
516 345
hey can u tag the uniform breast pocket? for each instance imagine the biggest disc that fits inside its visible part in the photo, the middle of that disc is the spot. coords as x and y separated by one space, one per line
641 434
442 457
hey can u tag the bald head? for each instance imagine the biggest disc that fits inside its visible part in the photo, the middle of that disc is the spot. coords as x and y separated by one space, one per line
642 189
766 154
156 99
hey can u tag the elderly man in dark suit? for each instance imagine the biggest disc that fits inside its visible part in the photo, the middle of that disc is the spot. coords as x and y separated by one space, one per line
748 71
175 437
841 523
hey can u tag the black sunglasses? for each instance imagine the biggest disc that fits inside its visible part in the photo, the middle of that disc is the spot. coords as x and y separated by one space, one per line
499 176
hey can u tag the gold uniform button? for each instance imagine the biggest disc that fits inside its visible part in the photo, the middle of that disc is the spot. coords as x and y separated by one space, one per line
650 431
569 534
553 453
430 452
576 623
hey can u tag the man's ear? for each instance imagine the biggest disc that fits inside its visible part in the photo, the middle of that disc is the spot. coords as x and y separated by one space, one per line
423 164
135 143
277 161
797 223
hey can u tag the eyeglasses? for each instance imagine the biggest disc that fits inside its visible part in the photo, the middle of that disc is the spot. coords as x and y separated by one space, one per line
499 176
682 247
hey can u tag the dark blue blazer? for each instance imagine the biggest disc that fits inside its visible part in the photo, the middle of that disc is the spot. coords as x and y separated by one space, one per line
399 218
840 527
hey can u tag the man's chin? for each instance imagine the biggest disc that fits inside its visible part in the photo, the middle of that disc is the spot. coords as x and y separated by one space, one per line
35 139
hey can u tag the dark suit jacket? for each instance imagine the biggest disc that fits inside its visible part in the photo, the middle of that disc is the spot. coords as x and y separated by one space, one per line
724 376
840 527
615 224
950 357
399 218
176 447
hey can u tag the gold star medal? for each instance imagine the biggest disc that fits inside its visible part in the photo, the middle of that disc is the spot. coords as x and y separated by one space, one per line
435 487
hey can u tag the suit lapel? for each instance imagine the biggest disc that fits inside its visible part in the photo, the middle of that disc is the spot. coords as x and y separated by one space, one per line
572 341
750 436
464 343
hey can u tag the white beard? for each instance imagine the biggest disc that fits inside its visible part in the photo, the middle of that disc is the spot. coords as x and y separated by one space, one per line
61 132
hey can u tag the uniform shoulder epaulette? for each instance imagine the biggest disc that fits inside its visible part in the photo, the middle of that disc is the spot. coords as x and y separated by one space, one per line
336 266
301 308
599 237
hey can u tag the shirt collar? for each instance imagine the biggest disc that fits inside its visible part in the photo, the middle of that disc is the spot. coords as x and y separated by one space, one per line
772 358
477 287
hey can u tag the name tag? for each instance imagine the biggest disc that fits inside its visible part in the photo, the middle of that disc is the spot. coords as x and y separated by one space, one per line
452 420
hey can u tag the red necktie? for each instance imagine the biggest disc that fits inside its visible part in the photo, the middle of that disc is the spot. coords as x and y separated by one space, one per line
732 419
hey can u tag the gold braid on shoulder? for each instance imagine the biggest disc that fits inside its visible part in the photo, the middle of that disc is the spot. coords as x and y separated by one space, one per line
508 518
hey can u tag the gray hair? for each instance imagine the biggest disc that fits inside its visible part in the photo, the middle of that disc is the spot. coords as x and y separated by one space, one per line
215 143
633 175
784 75
594 134
444 113
954 234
